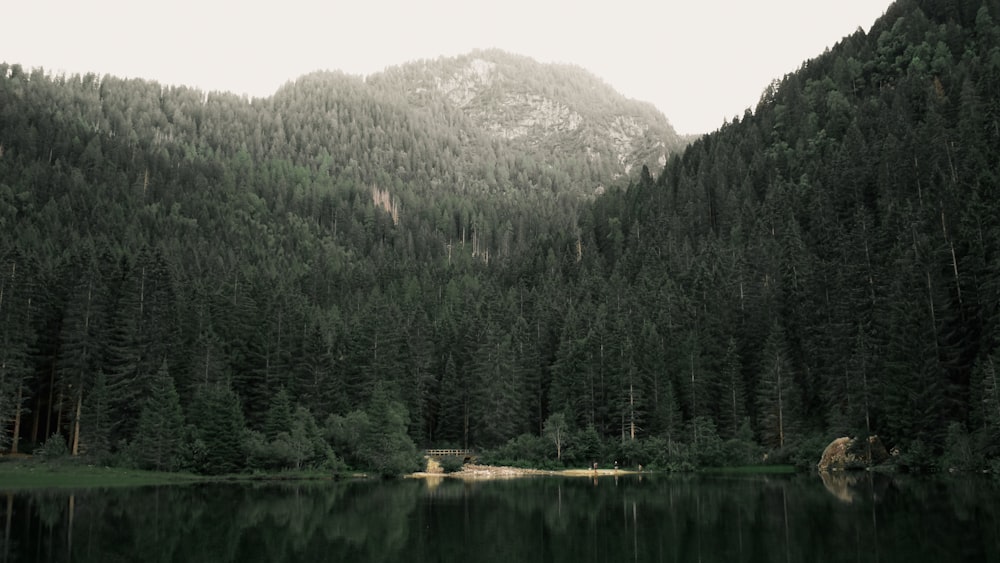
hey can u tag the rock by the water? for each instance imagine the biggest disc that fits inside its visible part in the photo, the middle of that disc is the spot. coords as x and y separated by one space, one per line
852 453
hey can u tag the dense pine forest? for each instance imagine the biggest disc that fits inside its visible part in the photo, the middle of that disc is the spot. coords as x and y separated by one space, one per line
484 252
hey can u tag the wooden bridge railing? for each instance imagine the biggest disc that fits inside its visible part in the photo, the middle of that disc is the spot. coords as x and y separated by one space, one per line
445 453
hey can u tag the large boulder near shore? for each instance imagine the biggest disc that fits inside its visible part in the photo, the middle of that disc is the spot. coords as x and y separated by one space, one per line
852 453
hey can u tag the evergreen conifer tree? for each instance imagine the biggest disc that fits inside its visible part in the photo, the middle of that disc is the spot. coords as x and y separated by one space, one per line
218 421
158 439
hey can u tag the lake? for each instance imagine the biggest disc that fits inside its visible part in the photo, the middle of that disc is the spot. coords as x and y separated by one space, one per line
706 518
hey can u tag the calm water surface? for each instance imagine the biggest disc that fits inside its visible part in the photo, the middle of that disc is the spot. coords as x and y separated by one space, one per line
686 518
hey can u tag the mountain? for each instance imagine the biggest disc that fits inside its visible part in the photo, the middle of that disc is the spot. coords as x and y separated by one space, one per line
490 109
165 229
547 109
829 261
356 266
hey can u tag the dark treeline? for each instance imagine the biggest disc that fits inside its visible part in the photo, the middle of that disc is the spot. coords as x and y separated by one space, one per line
337 272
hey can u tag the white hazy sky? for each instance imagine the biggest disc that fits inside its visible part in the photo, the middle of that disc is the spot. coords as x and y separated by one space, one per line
698 61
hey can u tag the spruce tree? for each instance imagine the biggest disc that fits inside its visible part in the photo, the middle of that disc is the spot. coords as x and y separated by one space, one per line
17 336
777 395
96 426
732 391
279 415
159 436
386 448
218 422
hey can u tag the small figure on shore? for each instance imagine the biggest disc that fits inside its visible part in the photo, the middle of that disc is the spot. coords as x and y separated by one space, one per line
640 468
616 465
595 467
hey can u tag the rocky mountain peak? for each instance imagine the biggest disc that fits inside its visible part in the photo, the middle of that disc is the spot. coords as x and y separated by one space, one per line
549 108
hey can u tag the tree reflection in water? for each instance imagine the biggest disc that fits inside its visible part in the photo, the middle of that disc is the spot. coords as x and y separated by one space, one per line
849 517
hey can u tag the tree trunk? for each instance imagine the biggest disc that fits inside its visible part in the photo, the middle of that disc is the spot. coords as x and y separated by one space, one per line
59 415
17 418
781 414
868 263
736 418
76 422
631 406
34 420
465 424
48 407
930 303
954 258
694 402
868 419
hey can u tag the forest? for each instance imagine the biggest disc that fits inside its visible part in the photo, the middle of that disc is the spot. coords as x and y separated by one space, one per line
346 272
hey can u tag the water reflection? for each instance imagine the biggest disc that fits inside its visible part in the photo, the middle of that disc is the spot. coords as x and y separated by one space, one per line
852 486
861 517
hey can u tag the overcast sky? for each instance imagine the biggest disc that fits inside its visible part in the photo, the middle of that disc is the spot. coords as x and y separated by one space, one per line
698 61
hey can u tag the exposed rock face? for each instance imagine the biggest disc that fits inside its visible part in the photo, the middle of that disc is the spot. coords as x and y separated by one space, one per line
463 86
533 115
852 453
551 109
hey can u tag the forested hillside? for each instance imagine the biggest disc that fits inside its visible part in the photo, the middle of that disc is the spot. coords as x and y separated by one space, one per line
828 264
355 267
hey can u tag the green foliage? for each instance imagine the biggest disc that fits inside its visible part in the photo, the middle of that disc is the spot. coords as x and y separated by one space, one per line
677 457
777 394
159 438
279 415
916 457
524 450
708 447
960 453
451 463
586 446
385 447
804 453
346 433
742 449
17 335
217 418
307 443
95 427
370 252
557 431
631 453
54 448
194 452
302 448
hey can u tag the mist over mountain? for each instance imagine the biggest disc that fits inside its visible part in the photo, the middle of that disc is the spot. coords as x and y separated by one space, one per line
490 102
548 109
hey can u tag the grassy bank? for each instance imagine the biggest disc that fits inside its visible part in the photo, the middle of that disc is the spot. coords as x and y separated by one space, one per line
26 473
40 475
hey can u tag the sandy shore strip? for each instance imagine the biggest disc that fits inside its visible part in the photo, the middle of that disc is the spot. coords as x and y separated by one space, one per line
476 472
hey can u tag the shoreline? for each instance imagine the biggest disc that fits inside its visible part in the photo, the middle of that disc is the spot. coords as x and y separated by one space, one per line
472 472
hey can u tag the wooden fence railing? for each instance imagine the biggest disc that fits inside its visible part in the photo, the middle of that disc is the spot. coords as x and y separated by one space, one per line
446 453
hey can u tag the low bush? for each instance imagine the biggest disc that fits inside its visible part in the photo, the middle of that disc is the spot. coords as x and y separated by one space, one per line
451 463
53 448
